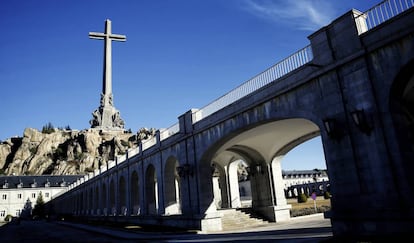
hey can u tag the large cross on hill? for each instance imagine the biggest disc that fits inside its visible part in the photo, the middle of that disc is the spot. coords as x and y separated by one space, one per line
106 116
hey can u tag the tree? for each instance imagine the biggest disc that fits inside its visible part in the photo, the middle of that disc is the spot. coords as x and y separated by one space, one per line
48 128
39 208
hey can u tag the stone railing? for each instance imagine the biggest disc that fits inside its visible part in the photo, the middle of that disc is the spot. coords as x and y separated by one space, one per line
271 74
381 13
165 133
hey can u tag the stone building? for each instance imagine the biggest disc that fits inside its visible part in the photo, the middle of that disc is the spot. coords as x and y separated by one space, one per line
291 178
19 193
299 177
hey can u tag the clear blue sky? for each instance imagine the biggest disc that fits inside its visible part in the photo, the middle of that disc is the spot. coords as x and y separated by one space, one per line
179 55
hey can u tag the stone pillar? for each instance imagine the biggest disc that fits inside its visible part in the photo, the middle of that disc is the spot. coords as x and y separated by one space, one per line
266 194
281 208
216 191
365 195
336 41
198 183
186 121
233 185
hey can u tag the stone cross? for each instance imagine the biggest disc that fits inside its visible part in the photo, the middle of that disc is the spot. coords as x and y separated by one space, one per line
106 117
108 37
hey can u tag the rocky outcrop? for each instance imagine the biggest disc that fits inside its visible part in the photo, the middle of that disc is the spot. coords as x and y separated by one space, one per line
65 152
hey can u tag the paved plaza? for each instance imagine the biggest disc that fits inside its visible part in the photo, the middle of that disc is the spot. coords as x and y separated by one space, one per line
312 228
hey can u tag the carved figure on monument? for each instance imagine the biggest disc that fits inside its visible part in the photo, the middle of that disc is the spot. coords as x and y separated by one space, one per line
117 121
96 121
106 117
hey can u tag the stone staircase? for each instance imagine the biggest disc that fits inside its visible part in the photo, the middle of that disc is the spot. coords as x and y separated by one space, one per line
241 218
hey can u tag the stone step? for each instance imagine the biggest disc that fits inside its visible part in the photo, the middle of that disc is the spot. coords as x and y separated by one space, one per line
236 219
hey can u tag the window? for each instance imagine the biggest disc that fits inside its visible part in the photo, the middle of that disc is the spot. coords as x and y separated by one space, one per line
19 196
17 212
4 196
46 194
33 195
2 213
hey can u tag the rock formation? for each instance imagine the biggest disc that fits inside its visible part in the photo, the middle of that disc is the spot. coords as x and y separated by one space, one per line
65 152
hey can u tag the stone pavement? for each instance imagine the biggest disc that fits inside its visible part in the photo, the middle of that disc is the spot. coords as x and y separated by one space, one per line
313 228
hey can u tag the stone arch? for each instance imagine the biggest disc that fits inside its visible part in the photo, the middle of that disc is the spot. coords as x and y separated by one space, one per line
84 201
80 202
90 201
262 146
96 200
402 113
259 177
151 190
402 107
258 174
112 197
219 184
122 191
234 178
172 187
104 202
135 198
276 164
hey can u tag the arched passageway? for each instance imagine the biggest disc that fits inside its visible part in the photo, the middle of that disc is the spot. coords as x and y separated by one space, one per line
123 208
151 190
231 185
104 202
402 107
135 204
112 198
90 201
402 111
96 201
260 150
172 187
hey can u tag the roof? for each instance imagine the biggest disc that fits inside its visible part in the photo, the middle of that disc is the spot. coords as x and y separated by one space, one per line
303 172
8 182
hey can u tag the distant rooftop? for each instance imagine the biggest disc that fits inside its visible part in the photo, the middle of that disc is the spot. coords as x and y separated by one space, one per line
10 182
304 172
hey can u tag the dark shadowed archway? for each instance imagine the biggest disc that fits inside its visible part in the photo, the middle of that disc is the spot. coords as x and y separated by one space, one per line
136 209
123 208
172 187
151 191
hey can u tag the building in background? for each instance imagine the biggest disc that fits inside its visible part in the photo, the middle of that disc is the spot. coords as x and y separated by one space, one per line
299 177
305 181
19 193
295 182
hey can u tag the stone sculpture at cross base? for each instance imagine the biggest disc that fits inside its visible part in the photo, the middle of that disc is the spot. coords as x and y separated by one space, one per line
106 117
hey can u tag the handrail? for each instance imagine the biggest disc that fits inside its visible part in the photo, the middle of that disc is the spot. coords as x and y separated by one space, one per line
271 74
381 12
169 131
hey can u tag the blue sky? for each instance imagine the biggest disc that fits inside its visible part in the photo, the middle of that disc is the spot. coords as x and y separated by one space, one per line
179 55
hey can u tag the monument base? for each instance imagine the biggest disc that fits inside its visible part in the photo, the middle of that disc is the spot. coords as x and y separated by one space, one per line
107 118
